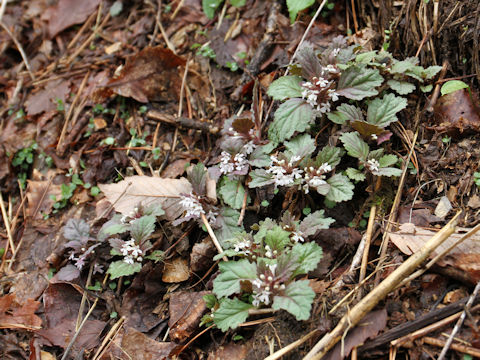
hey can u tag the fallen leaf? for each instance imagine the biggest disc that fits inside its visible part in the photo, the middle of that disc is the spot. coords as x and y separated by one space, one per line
176 270
202 254
131 344
16 315
128 193
186 310
474 202
175 168
369 327
40 198
150 75
231 351
46 99
67 13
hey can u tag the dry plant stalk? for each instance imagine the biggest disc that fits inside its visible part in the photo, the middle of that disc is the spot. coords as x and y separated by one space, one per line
380 292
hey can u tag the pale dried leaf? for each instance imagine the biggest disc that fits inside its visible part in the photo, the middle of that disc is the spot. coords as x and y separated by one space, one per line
176 271
147 191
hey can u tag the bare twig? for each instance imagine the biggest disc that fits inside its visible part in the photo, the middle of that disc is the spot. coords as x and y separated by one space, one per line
6 222
19 48
279 353
212 236
457 347
368 239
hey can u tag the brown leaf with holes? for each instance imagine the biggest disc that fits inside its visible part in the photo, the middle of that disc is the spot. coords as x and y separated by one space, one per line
150 75
16 315
186 310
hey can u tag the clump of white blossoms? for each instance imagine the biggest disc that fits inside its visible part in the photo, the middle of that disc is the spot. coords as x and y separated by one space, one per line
243 247
373 165
318 92
192 206
230 163
316 177
297 236
264 285
284 175
131 252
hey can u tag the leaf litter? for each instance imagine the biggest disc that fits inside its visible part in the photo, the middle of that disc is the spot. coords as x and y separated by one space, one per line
284 190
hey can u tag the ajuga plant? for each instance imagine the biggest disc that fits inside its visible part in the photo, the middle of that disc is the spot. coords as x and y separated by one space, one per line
268 262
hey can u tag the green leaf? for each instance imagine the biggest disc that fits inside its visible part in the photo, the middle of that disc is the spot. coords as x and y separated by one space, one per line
295 6
142 228
345 112
382 112
232 272
260 157
314 222
238 3
426 88
452 86
227 224
341 189
388 171
331 155
355 145
232 192
262 229
355 174
400 67
293 115
260 177
297 299
210 6
231 313
358 82
156 255
401 87
302 146
210 300
285 87
431 71
366 57
277 238
121 268
388 160
308 256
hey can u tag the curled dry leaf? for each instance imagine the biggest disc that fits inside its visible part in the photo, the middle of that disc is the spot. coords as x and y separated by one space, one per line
176 271
15 315
186 310
127 194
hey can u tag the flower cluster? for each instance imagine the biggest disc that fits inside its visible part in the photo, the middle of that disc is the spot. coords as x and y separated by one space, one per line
264 286
230 163
131 217
131 252
373 165
284 174
315 177
83 254
243 247
319 93
194 208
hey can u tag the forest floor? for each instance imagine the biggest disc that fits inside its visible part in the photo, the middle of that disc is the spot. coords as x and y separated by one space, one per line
319 148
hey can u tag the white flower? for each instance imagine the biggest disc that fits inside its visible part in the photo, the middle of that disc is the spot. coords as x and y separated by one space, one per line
297 236
249 147
374 137
261 297
293 160
243 246
322 82
333 94
325 167
192 206
317 181
373 165
131 252
331 68
273 268
335 51
268 252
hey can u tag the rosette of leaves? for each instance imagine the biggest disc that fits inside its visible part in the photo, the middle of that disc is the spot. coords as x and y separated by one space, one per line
129 237
371 161
266 271
297 167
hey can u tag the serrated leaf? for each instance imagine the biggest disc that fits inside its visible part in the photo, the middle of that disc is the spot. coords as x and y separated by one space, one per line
232 272
277 238
154 210
375 154
210 300
142 228
388 160
116 229
308 60
260 177
382 112
260 157
314 222
341 189
400 67
308 256
355 174
76 229
426 88
231 313
401 87
128 193
227 224
264 226
210 6
297 299
197 175
358 82
232 192
285 87
417 72
452 86
366 57
302 146
295 6
291 116
387 171
238 3
355 145
431 71
121 268
329 154
345 112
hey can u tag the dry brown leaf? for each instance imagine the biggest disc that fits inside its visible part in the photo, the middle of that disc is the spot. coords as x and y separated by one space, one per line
15 315
46 99
147 191
186 310
176 270
40 197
